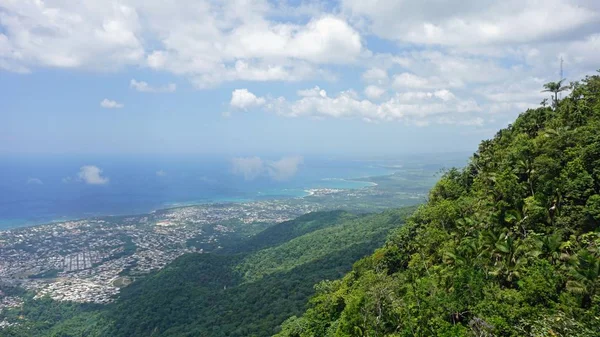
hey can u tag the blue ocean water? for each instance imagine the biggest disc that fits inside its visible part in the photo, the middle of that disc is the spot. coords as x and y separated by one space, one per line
42 189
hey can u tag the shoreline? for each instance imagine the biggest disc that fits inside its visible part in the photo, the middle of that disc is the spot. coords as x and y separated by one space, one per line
359 180
215 202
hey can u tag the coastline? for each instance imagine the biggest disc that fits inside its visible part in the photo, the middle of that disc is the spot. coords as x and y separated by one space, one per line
359 180
215 202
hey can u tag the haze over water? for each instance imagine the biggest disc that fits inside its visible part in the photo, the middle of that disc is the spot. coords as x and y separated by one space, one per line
37 190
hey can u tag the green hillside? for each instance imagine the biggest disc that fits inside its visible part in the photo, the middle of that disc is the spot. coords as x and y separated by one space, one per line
348 235
249 291
285 231
507 246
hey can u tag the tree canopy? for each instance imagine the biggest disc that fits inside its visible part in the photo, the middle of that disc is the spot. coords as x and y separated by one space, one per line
246 290
507 246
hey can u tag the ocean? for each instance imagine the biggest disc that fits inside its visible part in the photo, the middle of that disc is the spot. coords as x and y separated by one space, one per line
41 189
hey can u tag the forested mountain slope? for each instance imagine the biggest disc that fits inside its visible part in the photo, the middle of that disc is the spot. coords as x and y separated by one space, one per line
248 291
250 294
507 246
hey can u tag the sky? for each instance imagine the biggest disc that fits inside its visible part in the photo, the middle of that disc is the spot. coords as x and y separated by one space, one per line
288 78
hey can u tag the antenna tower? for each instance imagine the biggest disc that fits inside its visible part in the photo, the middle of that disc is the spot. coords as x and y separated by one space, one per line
561 68
561 73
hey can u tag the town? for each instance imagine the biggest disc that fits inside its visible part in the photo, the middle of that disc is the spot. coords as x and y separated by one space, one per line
90 260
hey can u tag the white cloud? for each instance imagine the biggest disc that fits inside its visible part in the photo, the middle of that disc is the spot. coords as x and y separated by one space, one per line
284 168
202 40
497 54
413 107
434 68
259 50
110 104
473 22
142 86
161 173
243 99
250 167
279 170
375 75
34 181
444 95
70 34
325 40
259 71
314 92
374 92
526 90
411 81
483 57
92 175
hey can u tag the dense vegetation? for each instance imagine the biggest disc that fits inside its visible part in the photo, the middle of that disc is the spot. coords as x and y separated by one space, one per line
246 291
507 246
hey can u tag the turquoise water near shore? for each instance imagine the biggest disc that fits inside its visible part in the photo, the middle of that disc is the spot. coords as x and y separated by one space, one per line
36 190
283 193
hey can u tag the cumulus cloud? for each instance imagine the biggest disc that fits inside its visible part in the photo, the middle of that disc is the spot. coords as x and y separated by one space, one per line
69 34
412 107
142 86
473 47
473 22
284 168
248 167
34 181
314 92
253 167
92 175
207 41
412 81
110 104
374 92
375 75
243 99
478 51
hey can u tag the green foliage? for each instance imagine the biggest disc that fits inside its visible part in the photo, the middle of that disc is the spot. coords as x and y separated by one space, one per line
289 230
317 245
508 246
248 291
45 317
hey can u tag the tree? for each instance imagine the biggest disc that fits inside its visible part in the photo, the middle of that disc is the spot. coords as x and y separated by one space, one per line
511 257
585 276
555 88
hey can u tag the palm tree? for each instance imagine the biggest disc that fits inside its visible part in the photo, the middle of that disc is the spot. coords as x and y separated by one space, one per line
557 132
555 88
550 246
526 166
585 277
511 256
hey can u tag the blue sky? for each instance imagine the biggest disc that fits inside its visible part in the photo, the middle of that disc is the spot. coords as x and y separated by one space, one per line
252 77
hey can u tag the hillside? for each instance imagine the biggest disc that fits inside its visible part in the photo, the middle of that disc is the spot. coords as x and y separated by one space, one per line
507 246
247 291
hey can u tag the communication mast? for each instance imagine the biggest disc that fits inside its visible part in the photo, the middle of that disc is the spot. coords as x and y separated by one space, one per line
561 73
561 68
